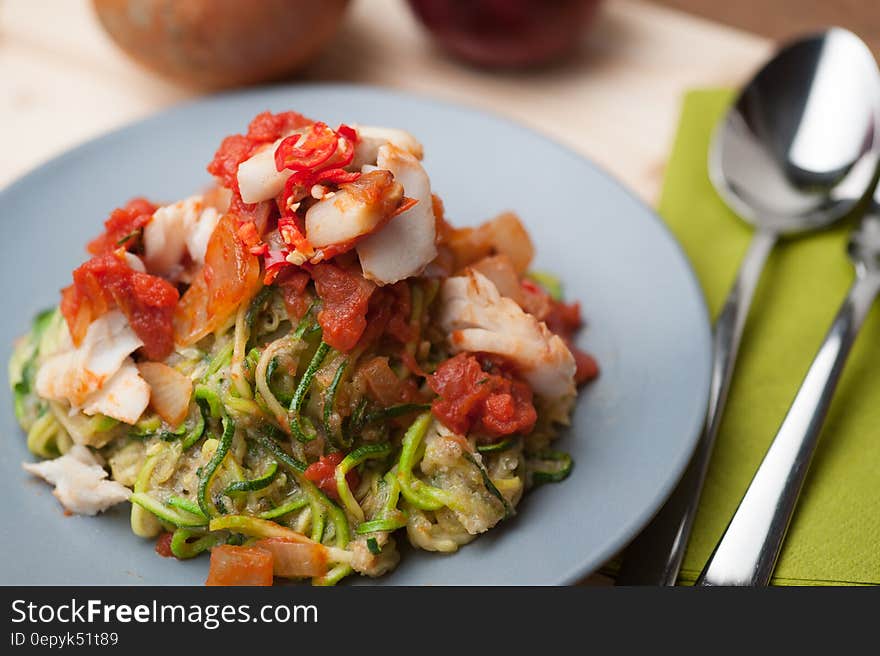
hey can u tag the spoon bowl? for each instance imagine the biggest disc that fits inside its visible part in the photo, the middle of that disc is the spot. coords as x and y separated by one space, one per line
799 148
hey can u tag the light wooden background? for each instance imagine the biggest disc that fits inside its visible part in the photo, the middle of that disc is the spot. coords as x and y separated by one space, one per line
784 19
63 80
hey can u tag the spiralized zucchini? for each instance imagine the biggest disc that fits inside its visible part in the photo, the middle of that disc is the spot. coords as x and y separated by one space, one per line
271 401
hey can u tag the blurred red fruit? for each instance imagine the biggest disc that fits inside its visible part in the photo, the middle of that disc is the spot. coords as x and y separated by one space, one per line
506 33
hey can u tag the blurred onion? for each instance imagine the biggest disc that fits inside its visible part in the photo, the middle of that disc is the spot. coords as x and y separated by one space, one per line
219 43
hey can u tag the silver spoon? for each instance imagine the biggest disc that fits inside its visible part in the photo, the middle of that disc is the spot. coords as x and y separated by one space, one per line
747 553
796 152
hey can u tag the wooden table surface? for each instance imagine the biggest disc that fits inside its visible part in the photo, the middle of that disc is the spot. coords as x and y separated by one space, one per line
784 19
617 101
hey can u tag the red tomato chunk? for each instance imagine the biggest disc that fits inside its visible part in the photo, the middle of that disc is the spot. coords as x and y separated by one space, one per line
123 224
163 545
472 399
106 282
323 474
346 297
265 128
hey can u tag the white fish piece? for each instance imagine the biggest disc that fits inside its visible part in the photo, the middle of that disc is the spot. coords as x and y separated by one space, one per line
80 481
124 397
373 137
80 375
258 179
198 235
356 209
406 245
184 226
477 318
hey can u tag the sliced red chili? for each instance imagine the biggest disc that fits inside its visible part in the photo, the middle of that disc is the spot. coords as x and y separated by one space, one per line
303 152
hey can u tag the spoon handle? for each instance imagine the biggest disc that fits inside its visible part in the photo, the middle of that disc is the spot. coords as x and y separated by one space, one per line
747 552
655 556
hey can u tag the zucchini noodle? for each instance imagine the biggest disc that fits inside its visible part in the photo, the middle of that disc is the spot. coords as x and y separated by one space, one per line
329 401
419 494
239 348
183 545
207 505
144 518
353 459
46 437
261 376
300 427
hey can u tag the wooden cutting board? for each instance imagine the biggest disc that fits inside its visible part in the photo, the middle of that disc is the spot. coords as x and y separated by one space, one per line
617 101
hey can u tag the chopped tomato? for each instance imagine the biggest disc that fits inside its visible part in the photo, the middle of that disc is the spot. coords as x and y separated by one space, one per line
163 545
250 237
535 300
323 474
399 325
235 149
230 277
378 315
266 127
120 230
492 404
564 319
231 565
346 298
587 367
292 282
105 282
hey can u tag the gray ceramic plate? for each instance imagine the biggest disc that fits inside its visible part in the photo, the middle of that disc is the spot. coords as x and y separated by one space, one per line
633 429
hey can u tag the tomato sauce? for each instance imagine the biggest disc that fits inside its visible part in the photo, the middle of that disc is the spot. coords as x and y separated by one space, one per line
346 299
120 230
482 398
563 319
293 282
106 282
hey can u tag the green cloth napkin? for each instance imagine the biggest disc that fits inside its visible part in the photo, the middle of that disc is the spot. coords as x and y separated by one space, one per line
835 534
